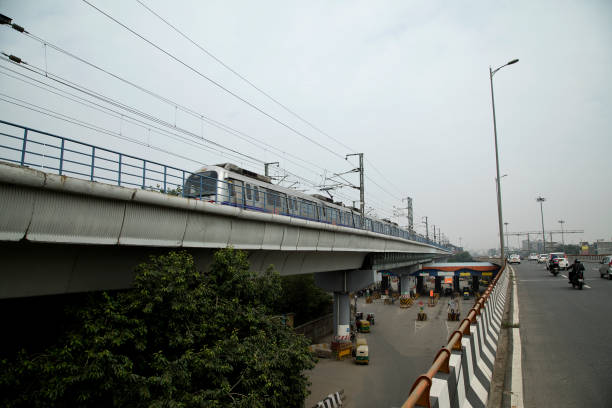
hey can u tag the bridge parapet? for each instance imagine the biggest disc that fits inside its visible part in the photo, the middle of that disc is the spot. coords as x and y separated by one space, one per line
462 370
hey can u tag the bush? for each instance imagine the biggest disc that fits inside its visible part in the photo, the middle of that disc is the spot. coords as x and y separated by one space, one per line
179 338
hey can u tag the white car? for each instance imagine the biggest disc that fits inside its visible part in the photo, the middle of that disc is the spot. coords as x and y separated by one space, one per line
542 258
563 262
514 258
533 257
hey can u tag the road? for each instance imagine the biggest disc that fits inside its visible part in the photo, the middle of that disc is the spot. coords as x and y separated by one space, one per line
401 349
566 338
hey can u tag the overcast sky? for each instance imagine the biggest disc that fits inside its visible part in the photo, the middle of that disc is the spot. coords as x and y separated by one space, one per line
404 82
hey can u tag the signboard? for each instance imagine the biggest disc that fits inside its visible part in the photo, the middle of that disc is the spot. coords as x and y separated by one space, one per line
431 293
487 274
424 274
446 273
448 280
465 274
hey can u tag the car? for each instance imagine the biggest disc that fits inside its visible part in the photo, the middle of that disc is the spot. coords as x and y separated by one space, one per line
561 257
533 257
514 258
542 258
605 270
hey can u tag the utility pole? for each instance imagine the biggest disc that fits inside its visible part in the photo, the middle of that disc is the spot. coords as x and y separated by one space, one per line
426 228
506 224
562 237
409 213
540 200
266 168
434 233
361 189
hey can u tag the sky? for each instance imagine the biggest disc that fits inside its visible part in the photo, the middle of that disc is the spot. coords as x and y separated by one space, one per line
406 83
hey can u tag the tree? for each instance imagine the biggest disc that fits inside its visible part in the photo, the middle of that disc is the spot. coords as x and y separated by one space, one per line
302 296
179 338
463 256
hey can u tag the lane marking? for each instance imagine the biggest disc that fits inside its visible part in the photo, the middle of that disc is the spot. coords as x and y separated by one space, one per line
516 399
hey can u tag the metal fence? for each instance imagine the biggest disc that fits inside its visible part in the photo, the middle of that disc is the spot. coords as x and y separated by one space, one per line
64 156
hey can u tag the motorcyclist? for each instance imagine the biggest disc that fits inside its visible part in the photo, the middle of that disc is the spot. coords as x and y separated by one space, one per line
575 271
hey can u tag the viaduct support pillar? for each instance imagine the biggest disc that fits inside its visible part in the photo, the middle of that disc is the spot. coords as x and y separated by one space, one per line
475 283
342 314
438 284
456 287
405 284
342 283
419 285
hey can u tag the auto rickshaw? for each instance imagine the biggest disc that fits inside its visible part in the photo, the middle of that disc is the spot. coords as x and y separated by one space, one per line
362 355
363 326
466 293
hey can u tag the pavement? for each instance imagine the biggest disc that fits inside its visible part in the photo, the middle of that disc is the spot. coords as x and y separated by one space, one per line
401 348
566 338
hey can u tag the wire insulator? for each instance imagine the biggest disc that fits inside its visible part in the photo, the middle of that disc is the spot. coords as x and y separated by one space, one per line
18 28
5 20
15 59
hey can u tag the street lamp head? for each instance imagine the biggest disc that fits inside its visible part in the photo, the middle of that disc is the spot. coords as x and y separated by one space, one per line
540 199
514 61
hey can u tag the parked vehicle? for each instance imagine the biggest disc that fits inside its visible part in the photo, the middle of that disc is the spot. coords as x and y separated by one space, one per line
362 355
533 257
514 258
559 259
605 270
542 258
363 326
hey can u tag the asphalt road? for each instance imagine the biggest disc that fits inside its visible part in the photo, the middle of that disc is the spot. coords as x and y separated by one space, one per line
566 338
401 348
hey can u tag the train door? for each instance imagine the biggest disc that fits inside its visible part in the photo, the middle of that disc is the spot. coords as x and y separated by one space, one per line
236 192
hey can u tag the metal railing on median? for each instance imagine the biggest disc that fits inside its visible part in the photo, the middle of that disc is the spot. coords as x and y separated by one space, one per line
419 393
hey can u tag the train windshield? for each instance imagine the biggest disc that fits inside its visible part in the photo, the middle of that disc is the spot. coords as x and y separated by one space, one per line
201 184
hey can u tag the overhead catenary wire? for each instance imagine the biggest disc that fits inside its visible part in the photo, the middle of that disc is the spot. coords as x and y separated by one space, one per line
106 99
266 94
46 43
144 125
176 105
212 81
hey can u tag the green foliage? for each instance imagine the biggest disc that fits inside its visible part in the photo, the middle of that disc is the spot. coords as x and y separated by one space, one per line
180 338
302 296
463 256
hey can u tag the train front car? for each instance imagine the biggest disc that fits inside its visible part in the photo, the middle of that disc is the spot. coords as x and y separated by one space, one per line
203 185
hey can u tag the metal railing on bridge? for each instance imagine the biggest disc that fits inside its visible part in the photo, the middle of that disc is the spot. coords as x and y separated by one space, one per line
64 156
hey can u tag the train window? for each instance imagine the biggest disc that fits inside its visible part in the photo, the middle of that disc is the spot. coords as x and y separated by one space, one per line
230 188
248 192
256 193
201 184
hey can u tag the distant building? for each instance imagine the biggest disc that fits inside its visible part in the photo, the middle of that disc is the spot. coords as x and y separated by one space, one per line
603 247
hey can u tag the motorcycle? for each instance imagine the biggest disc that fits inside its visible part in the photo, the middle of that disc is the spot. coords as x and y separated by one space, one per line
577 280
554 267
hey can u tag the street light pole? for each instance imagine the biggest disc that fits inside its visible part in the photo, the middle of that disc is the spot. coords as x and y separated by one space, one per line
499 207
540 200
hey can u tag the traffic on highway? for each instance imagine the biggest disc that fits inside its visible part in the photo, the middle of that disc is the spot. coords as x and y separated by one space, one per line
565 335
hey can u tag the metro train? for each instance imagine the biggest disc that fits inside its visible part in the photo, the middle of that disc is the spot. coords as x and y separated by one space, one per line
229 184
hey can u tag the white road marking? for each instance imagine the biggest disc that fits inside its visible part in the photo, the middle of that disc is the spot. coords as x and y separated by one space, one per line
516 399
564 276
587 286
